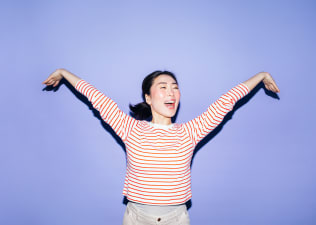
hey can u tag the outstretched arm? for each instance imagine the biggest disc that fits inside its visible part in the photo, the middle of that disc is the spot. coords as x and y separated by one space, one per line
121 123
59 74
266 78
199 127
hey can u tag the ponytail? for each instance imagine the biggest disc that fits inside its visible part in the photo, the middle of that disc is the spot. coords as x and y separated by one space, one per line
140 111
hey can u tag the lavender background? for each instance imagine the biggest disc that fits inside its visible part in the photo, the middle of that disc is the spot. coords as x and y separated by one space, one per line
58 163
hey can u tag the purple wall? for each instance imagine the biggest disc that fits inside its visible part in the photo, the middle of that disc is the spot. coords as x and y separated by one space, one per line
58 164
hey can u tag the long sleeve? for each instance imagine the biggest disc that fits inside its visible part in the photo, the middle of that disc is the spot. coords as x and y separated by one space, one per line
202 125
109 111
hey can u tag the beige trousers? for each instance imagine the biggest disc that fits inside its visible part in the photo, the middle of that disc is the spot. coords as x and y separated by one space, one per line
134 216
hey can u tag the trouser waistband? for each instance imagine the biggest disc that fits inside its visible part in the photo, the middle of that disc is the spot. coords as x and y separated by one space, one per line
163 219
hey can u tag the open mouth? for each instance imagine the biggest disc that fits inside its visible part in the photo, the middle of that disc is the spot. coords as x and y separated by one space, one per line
170 104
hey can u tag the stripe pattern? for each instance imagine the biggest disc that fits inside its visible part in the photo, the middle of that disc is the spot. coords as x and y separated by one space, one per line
158 157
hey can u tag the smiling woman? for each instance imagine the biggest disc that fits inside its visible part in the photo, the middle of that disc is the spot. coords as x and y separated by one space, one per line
163 96
159 153
163 99
158 84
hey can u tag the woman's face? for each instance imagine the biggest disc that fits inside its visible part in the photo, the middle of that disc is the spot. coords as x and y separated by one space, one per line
163 99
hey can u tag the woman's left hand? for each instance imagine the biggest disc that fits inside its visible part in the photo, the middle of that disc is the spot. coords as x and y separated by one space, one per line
269 83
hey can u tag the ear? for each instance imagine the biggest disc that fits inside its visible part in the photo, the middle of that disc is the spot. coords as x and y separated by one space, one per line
148 99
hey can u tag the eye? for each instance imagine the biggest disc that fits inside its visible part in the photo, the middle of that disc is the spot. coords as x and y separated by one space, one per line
162 87
175 87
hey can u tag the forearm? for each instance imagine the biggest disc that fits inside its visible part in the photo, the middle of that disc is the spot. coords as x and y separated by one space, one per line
252 82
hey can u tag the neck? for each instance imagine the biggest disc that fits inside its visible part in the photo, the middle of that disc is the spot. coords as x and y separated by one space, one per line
161 120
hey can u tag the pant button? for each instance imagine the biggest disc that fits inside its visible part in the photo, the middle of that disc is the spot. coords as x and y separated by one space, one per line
158 219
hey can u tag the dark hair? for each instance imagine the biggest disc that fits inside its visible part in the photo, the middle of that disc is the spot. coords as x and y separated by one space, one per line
142 110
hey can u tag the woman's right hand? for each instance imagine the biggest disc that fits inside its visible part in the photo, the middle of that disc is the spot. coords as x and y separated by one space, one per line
54 78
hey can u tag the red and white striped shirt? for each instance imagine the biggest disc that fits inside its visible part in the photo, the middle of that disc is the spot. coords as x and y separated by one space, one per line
159 157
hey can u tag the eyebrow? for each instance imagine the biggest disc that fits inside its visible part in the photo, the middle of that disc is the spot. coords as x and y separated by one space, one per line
166 83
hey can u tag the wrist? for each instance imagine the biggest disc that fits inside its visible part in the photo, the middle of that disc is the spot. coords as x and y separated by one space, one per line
63 73
264 75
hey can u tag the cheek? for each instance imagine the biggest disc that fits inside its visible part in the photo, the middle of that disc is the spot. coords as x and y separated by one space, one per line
178 95
157 95
161 95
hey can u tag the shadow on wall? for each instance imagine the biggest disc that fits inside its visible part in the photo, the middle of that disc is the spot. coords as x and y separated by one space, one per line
96 113
229 116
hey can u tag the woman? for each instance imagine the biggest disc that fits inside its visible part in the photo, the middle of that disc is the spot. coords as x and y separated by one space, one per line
159 152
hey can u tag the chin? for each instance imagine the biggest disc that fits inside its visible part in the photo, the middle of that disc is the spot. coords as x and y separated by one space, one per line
171 115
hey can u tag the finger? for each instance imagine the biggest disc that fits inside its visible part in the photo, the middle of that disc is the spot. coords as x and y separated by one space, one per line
270 87
267 86
274 88
47 80
56 83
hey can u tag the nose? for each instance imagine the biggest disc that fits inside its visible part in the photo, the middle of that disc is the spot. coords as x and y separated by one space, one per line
170 92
